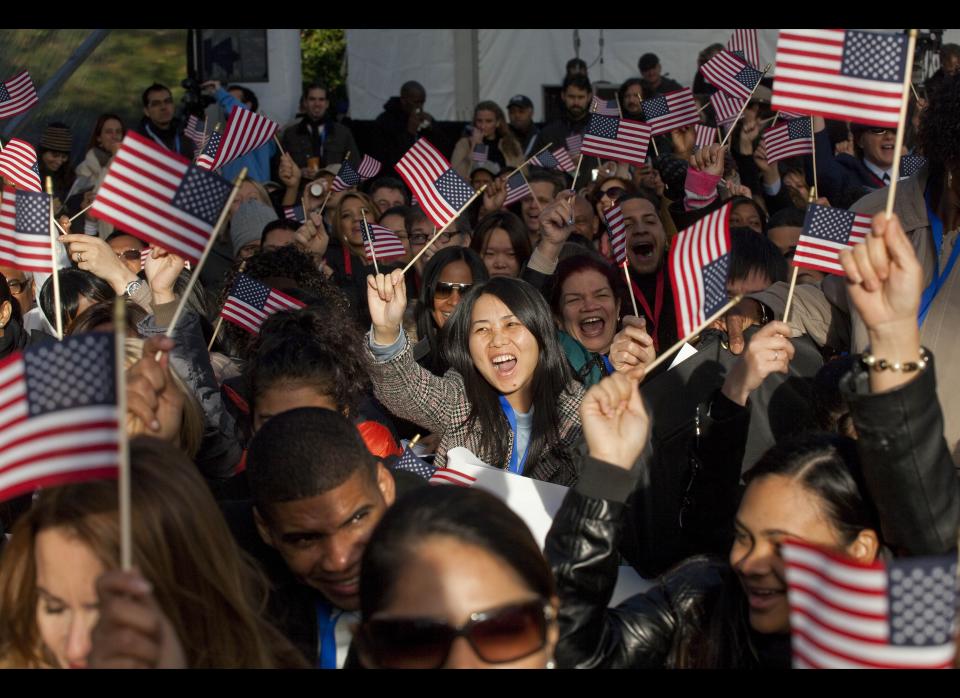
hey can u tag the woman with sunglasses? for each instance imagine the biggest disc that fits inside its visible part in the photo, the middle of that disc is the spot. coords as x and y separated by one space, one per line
605 193
510 396
453 579
448 276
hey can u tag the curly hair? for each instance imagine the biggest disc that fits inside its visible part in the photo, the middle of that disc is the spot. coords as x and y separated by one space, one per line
304 347
938 137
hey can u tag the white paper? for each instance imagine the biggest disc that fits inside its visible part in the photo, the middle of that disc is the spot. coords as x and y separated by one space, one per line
686 351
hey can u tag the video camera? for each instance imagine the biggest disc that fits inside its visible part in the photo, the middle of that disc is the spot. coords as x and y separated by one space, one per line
193 100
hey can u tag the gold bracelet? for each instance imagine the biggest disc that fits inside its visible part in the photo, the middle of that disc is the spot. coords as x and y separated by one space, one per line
871 362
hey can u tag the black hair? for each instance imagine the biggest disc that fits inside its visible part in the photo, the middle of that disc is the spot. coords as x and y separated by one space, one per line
576 63
155 87
426 325
938 137
316 85
644 193
469 516
412 86
304 453
6 295
752 252
650 60
831 411
73 284
98 128
248 96
117 232
624 86
515 229
413 216
279 224
543 175
787 216
551 377
305 346
578 80
737 200
388 183
100 314
395 211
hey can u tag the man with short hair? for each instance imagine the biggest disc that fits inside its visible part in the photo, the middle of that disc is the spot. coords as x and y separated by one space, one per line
577 66
483 174
317 139
21 286
402 121
520 113
577 94
545 186
784 228
127 248
949 65
654 81
585 219
388 192
159 123
317 495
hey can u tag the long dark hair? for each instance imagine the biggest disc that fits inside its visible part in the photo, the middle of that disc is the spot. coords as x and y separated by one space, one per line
426 325
825 465
551 377
98 127
73 284
515 229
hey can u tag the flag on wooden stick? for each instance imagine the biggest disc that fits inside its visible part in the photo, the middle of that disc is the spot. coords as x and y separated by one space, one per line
623 140
18 165
384 242
250 302
558 159
607 107
705 135
826 233
617 232
17 94
726 108
731 74
744 44
439 189
25 231
517 189
245 131
788 139
369 167
670 111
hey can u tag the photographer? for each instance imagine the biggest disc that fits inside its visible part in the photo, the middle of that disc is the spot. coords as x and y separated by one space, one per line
159 123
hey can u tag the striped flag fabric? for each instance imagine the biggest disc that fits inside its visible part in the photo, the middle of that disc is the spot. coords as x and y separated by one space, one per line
910 165
623 140
699 262
480 152
517 189
744 44
369 167
850 615
410 462
574 144
452 476
841 74
346 178
245 131
670 111
194 131
145 254
17 94
439 189
25 231
705 135
558 159
607 107
294 213
784 114
826 233
18 165
788 139
382 242
250 302
731 74
158 196
209 151
725 108
617 232
58 424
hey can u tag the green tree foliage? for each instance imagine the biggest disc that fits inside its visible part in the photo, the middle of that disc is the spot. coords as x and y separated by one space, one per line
323 52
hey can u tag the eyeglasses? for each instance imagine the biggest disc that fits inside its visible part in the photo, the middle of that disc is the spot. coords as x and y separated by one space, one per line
129 255
16 287
418 239
877 131
445 289
499 635
613 192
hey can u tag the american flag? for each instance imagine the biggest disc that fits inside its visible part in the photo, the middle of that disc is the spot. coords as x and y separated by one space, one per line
841 74
607 107
18 165
517 189
25 231
725 108
250 303
246 131
194 131
369 167
623 140
574 144
294 213
731 74
788 139
160 197
744 44
670 111
145 254
385 243
911 164
558 159
826 233
480 152
452 476
784 114
699 260
705 135
412 463
58 424
346 178
850 615
17 94
205 158
617 232
439 189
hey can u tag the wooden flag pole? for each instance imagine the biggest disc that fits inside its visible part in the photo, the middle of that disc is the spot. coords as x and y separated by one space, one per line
676 347
915 95
811 197
216 129
80 213
368 240
700 110
653 142
323 205
527 161
119 343
813 157
185 296
744 106
277 141
898 147
57 308
616 96
633 296
774 121
216 329
576 174
440 232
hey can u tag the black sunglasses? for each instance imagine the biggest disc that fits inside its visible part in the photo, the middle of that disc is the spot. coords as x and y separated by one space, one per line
499 635
880 131
445 289
613 193
131 255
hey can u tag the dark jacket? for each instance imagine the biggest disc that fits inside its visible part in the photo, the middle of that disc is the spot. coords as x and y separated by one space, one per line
556 133
909 475
171 138
337 140
390 138
350 276
842 178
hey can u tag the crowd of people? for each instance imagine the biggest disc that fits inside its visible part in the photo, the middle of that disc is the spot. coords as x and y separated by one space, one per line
277 522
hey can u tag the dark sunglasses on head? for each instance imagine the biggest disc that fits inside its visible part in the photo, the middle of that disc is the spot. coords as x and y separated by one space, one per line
445 289
131 255
613 192
499 635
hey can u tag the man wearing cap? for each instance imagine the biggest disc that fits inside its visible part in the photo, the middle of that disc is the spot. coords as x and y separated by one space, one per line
654 82
520 111
160 125
483 173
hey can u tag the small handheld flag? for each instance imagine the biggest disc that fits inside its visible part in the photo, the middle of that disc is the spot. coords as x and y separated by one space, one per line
826 233
250 302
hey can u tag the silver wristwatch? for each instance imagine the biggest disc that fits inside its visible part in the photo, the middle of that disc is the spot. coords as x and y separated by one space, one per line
132 288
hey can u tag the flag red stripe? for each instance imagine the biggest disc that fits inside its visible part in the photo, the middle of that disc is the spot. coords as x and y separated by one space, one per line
100 472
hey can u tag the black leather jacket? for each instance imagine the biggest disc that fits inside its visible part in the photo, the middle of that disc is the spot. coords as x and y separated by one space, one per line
909 474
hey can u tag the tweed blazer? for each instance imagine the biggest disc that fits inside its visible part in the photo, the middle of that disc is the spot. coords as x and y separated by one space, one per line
440 405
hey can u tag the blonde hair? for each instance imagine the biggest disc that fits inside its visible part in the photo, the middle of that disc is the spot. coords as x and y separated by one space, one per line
509 145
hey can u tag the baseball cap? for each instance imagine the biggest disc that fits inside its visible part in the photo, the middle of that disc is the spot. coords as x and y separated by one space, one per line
520 101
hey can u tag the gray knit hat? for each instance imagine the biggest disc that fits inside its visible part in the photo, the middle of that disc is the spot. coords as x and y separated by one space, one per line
248 222
57 137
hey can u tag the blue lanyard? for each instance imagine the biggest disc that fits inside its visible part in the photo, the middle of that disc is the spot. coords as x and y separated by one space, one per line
326 630
931 291
606 362
176 138
515 465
